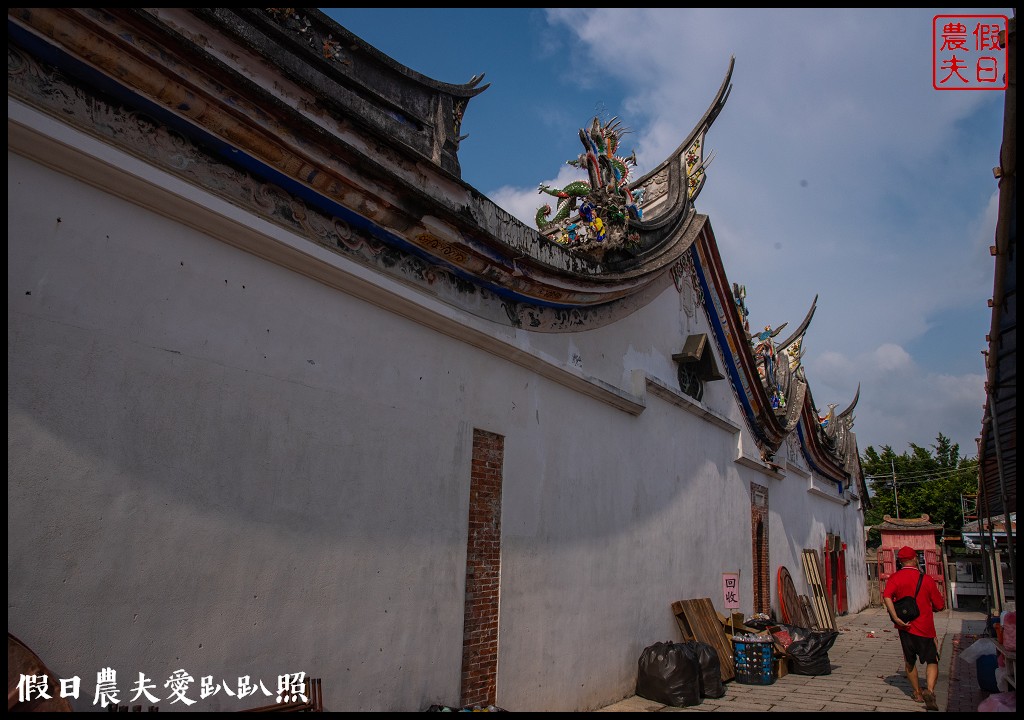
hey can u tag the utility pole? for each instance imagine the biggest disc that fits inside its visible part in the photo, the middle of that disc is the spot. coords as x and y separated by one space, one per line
896 495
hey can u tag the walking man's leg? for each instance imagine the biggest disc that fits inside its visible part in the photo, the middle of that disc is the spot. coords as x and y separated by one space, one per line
931 676
912 679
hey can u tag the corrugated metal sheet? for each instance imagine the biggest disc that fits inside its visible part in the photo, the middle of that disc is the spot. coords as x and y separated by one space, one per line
997 451
997 447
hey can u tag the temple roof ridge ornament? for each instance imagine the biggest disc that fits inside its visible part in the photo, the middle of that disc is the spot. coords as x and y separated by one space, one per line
798 334
779 364
849 410
836 432
689 155
286 103
594 215
780 399
610 219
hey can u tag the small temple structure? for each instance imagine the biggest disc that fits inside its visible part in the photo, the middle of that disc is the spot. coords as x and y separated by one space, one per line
918 533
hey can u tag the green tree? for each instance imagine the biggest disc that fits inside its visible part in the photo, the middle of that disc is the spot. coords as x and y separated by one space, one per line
927 482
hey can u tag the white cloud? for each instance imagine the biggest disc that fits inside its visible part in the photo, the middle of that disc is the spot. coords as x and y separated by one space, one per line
900 402
890 358
918 408
523 203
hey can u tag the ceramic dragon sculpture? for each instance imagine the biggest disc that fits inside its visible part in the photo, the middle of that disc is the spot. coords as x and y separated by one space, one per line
605 201
779 364
567 200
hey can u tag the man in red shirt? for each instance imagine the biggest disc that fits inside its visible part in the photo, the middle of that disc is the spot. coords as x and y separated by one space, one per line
918 636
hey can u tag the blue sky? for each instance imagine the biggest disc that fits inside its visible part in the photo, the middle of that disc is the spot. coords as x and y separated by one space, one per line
838 171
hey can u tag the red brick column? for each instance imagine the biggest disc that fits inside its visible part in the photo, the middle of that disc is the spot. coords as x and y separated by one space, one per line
759 547
483 571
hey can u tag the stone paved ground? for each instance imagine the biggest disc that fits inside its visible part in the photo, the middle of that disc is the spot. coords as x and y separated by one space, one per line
964 693
868 674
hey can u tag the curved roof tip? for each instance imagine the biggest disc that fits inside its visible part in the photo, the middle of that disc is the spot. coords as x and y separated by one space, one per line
724 90
474 81
856 398
803 327
700 128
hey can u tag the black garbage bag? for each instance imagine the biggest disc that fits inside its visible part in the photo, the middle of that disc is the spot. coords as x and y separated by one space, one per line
786 634
759 622
711 685
809 656
669 673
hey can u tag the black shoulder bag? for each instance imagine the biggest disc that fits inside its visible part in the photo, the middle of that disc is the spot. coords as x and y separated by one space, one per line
906 608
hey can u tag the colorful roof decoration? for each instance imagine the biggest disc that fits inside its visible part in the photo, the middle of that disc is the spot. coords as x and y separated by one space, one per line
433 231
359 155
768 378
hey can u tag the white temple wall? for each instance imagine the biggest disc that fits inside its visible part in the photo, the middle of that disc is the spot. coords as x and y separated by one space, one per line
218 464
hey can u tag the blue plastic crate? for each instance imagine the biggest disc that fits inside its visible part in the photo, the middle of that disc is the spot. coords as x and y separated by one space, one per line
985 667
754 662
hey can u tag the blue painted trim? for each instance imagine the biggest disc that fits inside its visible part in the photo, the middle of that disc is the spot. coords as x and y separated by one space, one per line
810 460
727 356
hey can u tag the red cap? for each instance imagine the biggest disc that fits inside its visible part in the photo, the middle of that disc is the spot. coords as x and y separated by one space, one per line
906 553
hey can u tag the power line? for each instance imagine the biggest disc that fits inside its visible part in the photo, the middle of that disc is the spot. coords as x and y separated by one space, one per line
916 473
925 475
945 471
920 482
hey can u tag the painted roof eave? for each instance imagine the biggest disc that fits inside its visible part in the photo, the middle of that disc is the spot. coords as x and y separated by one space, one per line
292 136
768 427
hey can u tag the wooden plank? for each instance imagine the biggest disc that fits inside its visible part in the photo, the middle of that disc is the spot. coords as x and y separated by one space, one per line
819 622
808 577
826 599
814 571
808 612
703 619
698 621
819 563
829 604
734 624
684 626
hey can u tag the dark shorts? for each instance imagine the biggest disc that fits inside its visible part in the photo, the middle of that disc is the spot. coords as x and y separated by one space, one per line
918 649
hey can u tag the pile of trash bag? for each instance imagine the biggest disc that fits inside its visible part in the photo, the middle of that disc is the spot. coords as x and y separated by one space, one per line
679 674
806 650
759 621
711 685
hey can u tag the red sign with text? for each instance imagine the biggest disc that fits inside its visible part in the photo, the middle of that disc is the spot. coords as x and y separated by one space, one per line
969 52
731 590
